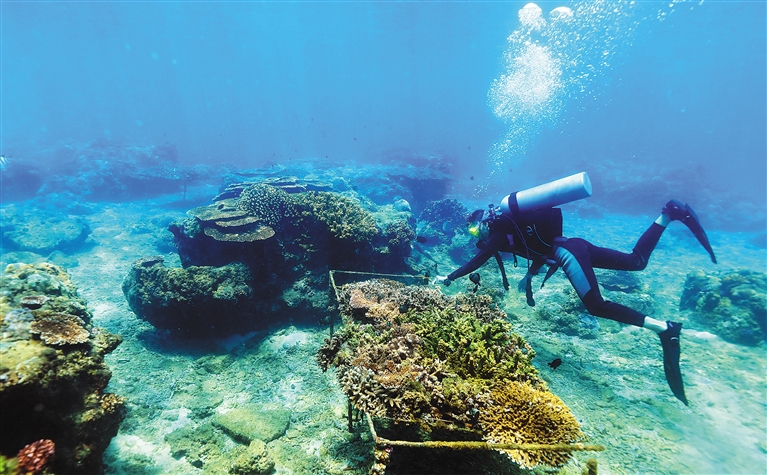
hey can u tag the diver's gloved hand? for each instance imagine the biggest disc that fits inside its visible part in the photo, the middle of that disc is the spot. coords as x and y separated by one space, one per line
669 339
526 285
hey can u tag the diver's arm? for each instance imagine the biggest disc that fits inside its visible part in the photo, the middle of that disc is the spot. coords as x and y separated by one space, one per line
494 244
503 269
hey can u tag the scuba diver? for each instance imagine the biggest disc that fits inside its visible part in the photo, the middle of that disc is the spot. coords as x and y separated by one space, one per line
528 225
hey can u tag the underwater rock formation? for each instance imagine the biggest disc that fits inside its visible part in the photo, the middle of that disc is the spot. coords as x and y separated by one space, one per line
30 230
198 300
442 219
280 244
52 373
111 172
411 353
732 305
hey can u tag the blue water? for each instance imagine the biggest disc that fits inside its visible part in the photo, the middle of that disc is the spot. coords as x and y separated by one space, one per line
655 84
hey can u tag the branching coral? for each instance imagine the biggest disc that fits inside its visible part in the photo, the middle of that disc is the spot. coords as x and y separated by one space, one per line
59 328
34 457
268 203
518 413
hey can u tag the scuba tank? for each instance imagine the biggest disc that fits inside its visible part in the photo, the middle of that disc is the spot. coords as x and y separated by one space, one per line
548 195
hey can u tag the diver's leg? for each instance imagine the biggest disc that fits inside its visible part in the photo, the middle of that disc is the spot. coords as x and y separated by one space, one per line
604 258
574 256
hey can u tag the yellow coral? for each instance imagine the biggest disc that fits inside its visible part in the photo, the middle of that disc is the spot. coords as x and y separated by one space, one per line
517 413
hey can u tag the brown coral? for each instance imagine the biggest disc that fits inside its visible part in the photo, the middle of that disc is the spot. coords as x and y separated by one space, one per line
364 392
517 413
57 328
34 457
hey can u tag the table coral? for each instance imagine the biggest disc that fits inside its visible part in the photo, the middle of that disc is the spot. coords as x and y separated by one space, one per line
59 328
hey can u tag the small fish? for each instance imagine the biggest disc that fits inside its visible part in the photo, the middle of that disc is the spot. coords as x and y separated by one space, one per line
421 239
474 277
555 364
471 178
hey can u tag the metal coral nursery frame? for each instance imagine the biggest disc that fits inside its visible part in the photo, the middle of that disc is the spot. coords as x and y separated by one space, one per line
384 446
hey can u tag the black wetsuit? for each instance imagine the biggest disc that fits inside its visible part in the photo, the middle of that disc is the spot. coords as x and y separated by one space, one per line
537 236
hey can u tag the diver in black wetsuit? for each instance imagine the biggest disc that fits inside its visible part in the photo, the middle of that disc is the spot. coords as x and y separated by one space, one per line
536 235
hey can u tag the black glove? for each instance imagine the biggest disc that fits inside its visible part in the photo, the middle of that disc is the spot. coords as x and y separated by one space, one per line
447 282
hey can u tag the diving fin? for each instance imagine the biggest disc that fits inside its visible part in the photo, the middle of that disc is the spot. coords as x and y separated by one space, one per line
679 212
669 339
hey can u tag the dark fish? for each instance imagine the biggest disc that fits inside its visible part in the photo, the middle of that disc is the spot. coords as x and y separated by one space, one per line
471 178
421 239
474 277
555 364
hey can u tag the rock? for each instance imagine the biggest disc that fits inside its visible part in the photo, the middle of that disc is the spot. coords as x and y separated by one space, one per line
253 461
199 402
42 233
199 445
254 421
732 305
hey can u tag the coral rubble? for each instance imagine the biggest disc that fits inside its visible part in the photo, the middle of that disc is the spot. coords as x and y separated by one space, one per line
53 375
413 354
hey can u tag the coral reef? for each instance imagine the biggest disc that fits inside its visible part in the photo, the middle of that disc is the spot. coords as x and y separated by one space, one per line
53 387
518 413
33 458
732 305
282 245
442 219
414 354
